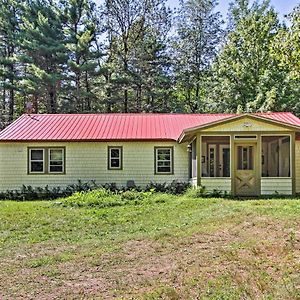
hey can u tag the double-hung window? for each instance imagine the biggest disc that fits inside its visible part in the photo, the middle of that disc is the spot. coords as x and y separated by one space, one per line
36 160
56 160
163 160
46 160
115 158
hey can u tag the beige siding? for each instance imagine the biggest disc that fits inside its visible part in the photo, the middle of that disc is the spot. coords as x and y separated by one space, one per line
220 184
297 167
88 161
271 186
247 125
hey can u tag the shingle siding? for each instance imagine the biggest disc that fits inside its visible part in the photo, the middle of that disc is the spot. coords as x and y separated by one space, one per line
297 166
88 161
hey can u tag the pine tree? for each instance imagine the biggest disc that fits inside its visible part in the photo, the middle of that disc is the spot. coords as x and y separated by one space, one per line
43 42
81 29
9 45
199 33
128 24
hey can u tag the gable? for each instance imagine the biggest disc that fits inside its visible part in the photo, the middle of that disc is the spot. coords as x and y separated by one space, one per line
247 124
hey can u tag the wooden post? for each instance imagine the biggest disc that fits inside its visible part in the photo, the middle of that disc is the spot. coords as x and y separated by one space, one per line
259 164
198 153
293 162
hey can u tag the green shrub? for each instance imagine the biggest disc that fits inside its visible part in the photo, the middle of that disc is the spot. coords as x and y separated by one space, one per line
201 192
47 193
135 195
101 198
175 187
97 198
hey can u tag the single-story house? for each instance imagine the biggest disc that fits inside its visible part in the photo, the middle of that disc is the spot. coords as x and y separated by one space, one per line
244 154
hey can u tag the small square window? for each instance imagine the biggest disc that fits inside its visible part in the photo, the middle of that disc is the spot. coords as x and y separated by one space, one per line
115 158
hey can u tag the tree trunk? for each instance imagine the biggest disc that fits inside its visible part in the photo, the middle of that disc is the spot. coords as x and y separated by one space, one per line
88 92
139 98
12 89
35 104
52 101
126 100
11 104
2 109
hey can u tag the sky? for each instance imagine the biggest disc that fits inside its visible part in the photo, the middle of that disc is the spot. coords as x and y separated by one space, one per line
283 7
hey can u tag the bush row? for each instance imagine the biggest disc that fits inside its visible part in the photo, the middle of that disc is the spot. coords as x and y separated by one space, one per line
47 193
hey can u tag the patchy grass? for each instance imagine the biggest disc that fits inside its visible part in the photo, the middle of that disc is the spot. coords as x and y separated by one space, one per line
152 246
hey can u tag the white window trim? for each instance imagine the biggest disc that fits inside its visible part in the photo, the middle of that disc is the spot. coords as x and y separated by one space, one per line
157 160
63 160
30 161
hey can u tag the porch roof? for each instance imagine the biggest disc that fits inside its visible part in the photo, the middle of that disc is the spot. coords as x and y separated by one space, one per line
285 119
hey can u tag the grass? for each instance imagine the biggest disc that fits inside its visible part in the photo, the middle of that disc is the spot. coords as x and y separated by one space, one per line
150 246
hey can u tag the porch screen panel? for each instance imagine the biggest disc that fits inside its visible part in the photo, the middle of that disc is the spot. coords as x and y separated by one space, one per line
215 156
276 156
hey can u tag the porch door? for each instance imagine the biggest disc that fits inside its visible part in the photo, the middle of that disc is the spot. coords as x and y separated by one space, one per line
245 170
224 160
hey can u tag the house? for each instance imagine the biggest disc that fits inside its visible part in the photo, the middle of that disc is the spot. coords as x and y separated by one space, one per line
245 154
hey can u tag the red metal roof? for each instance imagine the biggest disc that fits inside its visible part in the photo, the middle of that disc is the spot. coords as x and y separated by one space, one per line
105 127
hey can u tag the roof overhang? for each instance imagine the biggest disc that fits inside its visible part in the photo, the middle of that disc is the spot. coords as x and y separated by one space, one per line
188 133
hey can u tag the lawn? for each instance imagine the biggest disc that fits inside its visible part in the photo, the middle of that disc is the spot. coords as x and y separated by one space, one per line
161 247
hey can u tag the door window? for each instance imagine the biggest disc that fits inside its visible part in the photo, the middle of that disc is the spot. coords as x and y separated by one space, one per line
245 157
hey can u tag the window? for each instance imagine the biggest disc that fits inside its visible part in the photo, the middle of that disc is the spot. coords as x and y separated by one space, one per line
46 160
245 157
114 158
36 160
56 160
275 156
163 160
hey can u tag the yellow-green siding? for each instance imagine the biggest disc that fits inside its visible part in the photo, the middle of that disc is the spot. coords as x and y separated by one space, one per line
217 183
246 125
271 186
88 161
297 165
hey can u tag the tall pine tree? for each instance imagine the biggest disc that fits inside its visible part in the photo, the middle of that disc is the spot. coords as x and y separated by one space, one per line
81 29
9 47
199 33
45 56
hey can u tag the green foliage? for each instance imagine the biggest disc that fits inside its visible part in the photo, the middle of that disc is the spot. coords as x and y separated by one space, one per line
44 52
101 198
248 75
80 188
201 192
175 187
198 34
129 56
97 198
